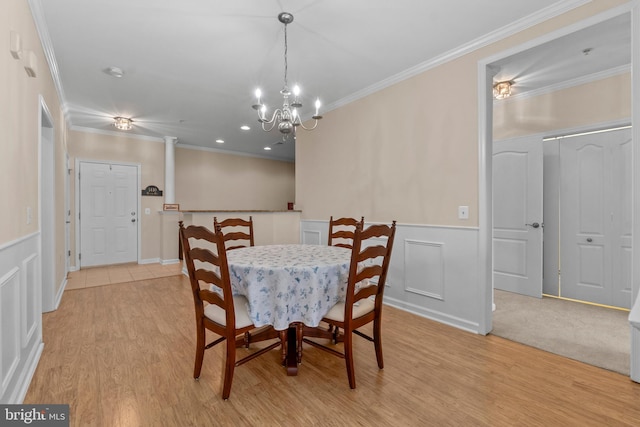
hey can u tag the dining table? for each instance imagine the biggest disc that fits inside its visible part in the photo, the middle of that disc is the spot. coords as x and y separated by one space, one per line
289 288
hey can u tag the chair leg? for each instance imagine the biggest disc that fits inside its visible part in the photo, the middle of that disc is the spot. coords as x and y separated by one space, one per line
229 366
200 337
348 357
377 341
283 342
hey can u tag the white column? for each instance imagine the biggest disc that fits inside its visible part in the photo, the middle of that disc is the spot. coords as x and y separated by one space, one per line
170 169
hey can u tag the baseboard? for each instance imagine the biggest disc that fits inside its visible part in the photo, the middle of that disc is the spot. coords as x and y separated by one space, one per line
170 261
437 316
149 261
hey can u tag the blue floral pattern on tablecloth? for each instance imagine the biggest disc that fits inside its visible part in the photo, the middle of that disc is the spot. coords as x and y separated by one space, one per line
289 283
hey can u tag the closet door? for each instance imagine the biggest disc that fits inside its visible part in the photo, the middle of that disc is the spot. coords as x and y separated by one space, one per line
594 202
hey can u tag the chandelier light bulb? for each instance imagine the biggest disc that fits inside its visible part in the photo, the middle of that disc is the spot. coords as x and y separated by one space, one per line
296 90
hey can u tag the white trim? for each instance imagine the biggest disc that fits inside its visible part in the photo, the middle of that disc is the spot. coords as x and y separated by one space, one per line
427 313
485 140
612 72
47 47
149 261
486 40
400 224
19 240
559 133
635 137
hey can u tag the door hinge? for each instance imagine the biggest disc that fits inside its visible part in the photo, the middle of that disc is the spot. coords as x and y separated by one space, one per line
79 256
68 253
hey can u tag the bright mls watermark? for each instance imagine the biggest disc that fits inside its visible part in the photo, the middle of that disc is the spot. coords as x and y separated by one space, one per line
34 415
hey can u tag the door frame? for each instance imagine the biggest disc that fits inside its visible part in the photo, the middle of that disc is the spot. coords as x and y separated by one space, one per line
76 178
485 150
46 205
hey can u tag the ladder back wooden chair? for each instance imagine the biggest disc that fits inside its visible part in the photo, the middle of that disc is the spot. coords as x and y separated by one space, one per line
218 311
238 232
370 258
341 231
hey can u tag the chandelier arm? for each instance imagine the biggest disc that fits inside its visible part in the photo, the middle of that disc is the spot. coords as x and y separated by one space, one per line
315 124
277 114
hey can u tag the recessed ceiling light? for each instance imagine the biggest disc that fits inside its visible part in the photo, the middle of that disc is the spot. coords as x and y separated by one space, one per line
245 127
220 141
114 71
267 148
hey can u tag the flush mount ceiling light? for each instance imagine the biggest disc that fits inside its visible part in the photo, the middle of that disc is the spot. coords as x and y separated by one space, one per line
502 90
123 123
286 118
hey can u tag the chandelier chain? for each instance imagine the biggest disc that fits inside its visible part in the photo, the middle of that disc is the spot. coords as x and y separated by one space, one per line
286 65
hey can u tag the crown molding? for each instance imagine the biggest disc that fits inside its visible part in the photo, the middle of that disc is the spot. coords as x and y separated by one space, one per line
568 84
47 47
492 37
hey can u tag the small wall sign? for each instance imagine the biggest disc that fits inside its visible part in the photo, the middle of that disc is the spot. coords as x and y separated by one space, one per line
171 207
152 190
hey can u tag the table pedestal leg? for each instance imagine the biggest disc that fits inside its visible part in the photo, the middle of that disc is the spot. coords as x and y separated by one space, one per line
292 346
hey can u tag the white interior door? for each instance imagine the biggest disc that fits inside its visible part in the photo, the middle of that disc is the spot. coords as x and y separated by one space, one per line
517 215
108 214
595 218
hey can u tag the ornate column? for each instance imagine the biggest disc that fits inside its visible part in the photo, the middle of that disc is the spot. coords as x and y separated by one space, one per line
170 169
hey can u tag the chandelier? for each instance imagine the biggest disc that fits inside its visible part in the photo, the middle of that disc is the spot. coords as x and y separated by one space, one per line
286 118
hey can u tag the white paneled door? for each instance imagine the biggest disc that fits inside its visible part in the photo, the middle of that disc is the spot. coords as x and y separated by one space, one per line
517 215
108 214
595 218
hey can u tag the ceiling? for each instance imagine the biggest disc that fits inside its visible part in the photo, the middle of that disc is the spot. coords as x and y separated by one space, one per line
191 67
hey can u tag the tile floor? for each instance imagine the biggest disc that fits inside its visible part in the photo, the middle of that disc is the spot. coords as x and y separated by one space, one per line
98 276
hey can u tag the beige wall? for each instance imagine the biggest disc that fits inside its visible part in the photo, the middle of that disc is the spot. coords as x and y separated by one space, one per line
408 152
19 127
204 180
588 104
208 180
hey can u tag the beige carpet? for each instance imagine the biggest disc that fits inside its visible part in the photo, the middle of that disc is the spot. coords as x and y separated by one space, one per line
595 335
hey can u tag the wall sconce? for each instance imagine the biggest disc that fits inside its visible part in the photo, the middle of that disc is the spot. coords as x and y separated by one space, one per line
123 123
502 90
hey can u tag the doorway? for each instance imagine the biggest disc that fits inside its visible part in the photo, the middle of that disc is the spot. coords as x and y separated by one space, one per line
485 108
108 213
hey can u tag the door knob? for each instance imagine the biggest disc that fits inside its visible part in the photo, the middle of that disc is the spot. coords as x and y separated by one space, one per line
589 239
133 220
534 225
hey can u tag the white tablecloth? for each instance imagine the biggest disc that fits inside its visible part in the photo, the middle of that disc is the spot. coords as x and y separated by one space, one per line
289 283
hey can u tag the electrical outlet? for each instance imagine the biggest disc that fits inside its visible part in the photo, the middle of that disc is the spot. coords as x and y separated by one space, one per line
29 215
147 211
463 212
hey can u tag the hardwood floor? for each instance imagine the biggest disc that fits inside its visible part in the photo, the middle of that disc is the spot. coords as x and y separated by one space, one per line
122 355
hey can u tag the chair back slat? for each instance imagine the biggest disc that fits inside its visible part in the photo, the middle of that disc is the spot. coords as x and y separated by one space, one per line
236 230
341 231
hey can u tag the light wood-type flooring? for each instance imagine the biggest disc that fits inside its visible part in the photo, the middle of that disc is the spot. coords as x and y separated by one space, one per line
122 355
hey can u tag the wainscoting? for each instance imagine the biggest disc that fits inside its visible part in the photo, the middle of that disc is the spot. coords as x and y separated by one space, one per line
20 316
433 271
